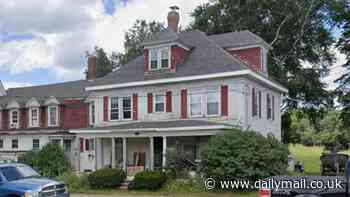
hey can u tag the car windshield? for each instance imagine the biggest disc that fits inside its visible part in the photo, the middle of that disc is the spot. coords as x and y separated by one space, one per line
12 173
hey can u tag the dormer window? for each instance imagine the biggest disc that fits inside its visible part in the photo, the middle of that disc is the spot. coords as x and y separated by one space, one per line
14 118
34 117
52 116
159 58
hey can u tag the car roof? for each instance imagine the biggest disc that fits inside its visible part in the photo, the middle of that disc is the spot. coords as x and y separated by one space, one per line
11 165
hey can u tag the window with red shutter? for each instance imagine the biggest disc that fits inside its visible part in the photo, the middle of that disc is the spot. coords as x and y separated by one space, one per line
168 101
149 102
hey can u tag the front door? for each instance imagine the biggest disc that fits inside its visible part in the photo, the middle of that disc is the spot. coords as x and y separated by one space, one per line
139 162
87 155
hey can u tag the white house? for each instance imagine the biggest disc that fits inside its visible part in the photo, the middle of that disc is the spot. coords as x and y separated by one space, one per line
186 87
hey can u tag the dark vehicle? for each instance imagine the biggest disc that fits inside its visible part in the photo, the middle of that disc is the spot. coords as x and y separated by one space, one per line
19 180
308 186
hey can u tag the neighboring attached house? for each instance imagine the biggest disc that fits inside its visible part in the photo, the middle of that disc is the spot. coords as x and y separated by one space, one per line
31 117
185 88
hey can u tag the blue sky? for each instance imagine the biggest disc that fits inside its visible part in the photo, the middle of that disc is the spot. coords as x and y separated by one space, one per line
48 43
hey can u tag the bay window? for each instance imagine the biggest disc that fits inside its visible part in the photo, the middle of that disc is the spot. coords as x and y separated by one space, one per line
159 103
204 104
14 118
120 108
52 116
34 117
159 58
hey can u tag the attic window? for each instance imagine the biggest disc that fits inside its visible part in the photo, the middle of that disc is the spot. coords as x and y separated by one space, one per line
159 58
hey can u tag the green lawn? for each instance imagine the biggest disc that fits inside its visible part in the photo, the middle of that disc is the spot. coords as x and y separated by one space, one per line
310 157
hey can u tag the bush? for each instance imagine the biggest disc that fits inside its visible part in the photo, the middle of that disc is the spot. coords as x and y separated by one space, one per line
74 182
106 178
149 180
178 164
50 161
30 158
246 155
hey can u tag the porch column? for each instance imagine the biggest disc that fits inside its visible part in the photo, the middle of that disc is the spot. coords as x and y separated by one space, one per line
151 152
164 152
113 153
124 154
77 153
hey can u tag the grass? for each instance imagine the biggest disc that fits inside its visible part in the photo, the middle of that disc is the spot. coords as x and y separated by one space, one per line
310 157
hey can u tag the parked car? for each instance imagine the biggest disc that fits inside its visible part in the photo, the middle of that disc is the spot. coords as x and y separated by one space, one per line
20 180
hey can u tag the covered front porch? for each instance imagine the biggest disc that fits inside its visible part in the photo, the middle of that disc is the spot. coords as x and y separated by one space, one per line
138 149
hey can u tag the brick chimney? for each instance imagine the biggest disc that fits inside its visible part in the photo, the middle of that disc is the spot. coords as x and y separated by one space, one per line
173 19
92 68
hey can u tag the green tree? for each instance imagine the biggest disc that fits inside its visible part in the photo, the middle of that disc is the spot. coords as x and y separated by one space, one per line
344 81
135 36
303 128
104 64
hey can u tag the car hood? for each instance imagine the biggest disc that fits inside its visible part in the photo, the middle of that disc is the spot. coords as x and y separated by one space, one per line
31 184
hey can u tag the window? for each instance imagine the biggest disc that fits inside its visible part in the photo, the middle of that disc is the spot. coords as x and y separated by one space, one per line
213 104
1 143
165 58
196 105
14 118
159 58
34 117
89 145
125 113
67 145
273 107
92 113
204 104
259 103
56 141
126 108
53 116
159 103
268 107
14 143
36 144
254 103
114 108
154 59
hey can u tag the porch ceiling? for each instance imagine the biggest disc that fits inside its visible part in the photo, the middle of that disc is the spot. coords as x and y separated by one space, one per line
160 126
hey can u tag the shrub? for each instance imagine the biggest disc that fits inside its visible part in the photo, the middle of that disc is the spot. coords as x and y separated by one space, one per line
240 154
106 178
178 164
30 158
149 180
50 161
74 182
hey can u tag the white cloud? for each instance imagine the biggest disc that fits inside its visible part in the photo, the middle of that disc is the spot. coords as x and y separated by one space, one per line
63 30
11 84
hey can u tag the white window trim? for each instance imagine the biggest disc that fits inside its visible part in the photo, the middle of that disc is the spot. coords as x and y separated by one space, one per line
11 119
154 102
258 107
30 117
204 102
92 116
159 58
49 116
120 109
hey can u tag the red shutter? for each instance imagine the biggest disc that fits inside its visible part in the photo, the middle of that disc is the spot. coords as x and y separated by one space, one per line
134 107
168 101
149 102
105 108
81 145
224 100
184 103
146 55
